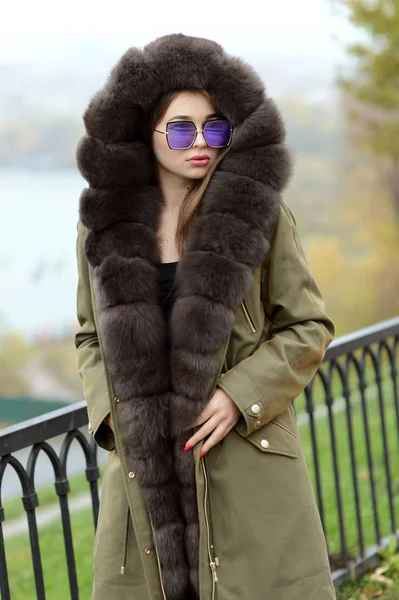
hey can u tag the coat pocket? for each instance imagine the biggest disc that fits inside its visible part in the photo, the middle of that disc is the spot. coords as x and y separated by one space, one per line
278 436
125 540
248 317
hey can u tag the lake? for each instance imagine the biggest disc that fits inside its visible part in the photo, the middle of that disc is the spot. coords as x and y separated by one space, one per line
38 272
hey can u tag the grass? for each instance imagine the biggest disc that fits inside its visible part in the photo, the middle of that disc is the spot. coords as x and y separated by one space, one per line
368 589
362 472
382 582
19 562
13 507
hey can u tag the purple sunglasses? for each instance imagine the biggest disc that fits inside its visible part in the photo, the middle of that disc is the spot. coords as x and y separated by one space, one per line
181 135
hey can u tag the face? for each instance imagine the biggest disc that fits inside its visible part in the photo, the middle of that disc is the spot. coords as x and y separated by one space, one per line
186 106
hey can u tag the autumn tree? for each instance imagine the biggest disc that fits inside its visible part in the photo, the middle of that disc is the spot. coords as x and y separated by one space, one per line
373 86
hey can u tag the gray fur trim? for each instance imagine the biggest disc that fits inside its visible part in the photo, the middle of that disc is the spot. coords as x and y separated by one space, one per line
161 394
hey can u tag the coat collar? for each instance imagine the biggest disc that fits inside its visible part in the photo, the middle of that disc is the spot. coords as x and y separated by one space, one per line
162 394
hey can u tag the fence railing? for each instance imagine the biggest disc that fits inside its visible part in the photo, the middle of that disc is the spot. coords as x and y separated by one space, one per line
351 436
35 433
348 419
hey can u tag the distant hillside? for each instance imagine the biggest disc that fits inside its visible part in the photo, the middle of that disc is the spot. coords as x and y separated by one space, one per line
41 129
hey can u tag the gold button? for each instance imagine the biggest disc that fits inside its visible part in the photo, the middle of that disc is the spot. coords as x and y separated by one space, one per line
147 550
116 399
132 475
258 423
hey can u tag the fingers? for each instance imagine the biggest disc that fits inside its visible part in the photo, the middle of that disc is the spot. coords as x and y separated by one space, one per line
218 434
204 416
220 416
205 430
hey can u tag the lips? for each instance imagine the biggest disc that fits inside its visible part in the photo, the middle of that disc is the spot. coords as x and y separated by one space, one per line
200 160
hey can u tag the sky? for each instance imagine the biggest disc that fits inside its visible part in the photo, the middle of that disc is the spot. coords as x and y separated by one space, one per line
43 28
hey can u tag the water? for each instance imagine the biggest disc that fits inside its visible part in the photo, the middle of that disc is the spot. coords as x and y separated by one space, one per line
38 272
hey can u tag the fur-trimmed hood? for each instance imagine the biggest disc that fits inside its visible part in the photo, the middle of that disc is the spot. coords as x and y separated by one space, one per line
163 393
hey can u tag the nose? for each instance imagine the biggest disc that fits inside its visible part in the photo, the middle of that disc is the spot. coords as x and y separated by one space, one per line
200 140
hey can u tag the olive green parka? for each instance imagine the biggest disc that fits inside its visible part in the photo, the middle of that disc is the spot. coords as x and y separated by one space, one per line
260 532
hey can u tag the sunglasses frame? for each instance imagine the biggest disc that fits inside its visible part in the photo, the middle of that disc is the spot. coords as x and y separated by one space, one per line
197 131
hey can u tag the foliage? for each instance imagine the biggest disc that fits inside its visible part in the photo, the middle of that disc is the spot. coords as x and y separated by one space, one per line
374 86
382 582
15 352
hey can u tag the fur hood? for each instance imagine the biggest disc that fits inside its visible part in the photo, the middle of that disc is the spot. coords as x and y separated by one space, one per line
162 393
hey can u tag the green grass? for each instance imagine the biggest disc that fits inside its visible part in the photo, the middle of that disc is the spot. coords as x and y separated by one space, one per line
362 471
382 582
13 507
19 562
367 589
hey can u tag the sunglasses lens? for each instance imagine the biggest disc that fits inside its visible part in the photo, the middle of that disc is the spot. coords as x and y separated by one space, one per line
180 135
217 133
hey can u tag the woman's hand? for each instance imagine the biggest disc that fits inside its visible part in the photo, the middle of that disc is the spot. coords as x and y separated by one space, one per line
108 421
219 417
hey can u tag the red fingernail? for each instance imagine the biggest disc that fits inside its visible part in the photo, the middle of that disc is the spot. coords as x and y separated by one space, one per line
202 453
187 447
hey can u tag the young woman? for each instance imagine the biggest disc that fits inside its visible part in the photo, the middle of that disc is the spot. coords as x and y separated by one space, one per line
199 324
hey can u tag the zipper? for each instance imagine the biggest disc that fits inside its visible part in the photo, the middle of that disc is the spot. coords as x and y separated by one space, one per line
248 317
123 566
213 562
159 565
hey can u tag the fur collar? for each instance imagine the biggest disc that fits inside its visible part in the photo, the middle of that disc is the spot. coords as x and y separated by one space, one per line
162 394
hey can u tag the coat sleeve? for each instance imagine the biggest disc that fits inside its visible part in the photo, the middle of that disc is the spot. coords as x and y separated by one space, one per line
280 369
89 359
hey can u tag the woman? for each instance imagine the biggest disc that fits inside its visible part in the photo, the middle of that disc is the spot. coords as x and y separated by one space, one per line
200 323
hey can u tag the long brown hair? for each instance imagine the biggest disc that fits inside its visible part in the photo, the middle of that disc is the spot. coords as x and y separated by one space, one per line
192 199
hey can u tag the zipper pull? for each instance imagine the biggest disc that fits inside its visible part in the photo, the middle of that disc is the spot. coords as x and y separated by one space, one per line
213 569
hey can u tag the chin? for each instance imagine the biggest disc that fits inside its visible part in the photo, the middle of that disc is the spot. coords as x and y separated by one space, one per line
198 172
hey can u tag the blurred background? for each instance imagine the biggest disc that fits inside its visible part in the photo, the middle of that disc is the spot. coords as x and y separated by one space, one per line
333 68
330 65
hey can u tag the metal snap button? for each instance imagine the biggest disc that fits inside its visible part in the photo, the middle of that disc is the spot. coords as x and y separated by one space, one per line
255 409
147 550
132 475
264 443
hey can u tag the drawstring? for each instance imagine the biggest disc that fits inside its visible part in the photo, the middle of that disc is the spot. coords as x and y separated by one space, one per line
126 539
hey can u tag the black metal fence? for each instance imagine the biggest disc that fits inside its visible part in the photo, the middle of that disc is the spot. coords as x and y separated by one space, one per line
348 420
35 433
351 436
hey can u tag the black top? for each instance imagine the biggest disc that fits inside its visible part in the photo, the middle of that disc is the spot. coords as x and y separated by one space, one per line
166 280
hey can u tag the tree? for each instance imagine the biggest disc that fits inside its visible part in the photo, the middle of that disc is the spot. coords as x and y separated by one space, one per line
373 87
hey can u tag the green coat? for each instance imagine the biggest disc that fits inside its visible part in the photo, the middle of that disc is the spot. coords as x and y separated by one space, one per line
260 531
